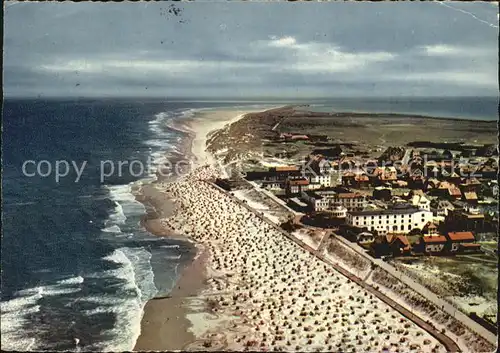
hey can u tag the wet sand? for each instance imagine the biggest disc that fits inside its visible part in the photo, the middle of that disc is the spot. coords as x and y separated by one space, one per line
164 325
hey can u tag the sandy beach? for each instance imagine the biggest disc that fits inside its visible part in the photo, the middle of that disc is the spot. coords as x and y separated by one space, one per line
253 289
165 325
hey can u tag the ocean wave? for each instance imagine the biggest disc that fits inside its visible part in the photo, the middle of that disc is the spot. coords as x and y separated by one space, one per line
17 333
125 204
137 275
173 246
112 229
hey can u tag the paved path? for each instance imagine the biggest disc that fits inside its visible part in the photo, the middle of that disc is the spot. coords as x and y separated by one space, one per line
450 345
425 292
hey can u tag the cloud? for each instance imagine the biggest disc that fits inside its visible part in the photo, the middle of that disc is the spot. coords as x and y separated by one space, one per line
317 57
223 49
455 50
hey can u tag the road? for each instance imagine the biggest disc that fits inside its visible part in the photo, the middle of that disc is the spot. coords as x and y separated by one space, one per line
450 345
431 296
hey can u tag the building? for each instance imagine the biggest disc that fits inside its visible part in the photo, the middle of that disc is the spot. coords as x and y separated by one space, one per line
421 202
433 244
325 167
272 185
459 239
384 174
329 199
400 219
440 208
470 197
361 181
350 200
316 201
430 229
325 180
454 193
398 244
296 186
469 218
339 212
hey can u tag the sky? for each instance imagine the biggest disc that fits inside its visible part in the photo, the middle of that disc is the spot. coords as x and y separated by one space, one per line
245 50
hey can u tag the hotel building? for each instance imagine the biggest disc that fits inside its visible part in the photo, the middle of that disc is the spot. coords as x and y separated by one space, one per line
399 219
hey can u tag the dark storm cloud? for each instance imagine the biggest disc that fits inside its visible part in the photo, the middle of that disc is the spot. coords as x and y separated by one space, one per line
243 49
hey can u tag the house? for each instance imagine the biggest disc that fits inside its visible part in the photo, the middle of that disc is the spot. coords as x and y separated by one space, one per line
339 212
386 174
325 180
286 168
416 180
348 179
350 200
441 208
470 185
467 219
272 185
457 239
325 166
430 229
421 202
330 198
432 183
398 244
454 178
433 244
361 181
316 201
470 197
397 219
454 193
295 186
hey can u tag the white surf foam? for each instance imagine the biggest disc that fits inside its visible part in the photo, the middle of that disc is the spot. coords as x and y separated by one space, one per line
125 206
138 287
15 318
112 229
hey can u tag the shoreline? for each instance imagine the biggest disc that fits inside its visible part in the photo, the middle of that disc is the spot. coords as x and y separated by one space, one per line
165 324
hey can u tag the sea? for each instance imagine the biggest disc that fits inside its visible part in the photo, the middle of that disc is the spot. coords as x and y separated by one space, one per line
76 262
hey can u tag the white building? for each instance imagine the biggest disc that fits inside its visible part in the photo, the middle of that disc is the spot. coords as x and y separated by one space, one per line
396 219
322 200
325 180
318 202
421 202
339 212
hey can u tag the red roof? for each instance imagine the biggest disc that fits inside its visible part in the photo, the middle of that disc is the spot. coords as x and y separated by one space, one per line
455 236
348 195
287 169
299 182
300 137
454 191
470 245
436 239
362 178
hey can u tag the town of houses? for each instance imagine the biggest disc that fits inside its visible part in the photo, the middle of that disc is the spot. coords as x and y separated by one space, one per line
428 204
